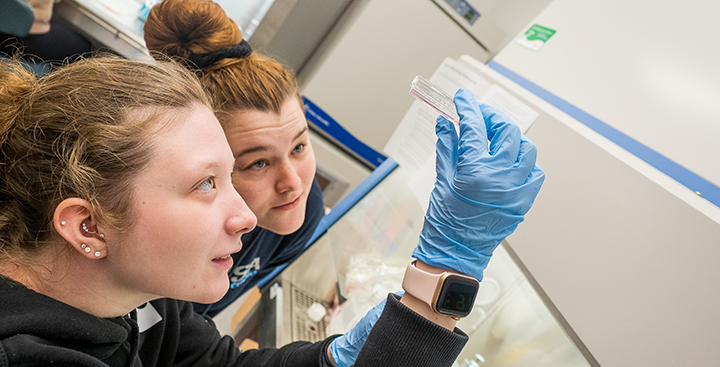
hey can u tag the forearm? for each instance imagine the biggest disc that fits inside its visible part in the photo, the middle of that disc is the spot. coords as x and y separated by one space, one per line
403 337
413 305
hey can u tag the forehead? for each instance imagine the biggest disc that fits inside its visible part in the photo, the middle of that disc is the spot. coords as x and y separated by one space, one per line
250 124
192 139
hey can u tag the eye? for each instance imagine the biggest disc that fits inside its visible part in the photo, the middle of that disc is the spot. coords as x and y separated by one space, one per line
207 184
299 148
258 164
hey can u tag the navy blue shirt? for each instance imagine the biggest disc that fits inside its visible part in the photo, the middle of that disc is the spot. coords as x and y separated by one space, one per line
263 251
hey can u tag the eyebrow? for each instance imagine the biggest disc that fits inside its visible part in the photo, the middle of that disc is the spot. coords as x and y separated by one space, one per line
203 167
204 164
262 148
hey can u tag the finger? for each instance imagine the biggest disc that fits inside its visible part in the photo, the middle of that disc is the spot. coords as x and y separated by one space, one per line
527 157
473 131
517 173
445 149
534 181
504 135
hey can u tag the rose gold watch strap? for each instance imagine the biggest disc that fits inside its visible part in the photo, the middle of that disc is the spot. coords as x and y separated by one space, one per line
420 284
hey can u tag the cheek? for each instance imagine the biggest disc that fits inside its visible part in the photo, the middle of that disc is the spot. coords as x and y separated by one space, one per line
253 193
308 168
176 231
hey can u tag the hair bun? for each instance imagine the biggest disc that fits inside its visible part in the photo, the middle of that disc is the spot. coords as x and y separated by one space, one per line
183 27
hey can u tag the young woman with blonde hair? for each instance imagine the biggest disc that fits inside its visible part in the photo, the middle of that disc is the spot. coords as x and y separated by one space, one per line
259 106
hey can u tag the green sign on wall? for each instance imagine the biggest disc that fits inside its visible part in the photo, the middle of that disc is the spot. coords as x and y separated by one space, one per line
535 37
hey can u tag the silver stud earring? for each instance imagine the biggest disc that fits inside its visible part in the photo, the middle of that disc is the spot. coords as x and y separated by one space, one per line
62 223
85 228
97 253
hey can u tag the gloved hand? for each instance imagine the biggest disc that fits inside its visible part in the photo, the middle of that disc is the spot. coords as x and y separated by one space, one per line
482 192
345 348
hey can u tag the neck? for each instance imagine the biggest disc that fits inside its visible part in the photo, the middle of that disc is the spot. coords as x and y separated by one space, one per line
77 281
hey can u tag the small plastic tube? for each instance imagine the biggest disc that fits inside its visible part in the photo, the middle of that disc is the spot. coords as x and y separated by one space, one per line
434 97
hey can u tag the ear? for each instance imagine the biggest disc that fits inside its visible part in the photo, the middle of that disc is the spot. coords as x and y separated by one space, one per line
70 216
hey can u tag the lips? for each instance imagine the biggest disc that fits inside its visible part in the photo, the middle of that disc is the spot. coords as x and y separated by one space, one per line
225 262
289 206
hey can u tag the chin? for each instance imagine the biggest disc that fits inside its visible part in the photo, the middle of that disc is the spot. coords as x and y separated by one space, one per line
209 298
285 227
212 294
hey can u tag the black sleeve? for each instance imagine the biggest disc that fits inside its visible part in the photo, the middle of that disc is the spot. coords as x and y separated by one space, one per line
184 338
291 355
401 337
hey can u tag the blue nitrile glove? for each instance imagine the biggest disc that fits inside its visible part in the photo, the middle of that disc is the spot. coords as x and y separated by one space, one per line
481 193
346 348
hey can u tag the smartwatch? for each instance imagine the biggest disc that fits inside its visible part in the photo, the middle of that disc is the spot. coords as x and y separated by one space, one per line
447 293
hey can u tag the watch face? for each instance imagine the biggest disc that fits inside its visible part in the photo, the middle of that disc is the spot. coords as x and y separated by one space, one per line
457 296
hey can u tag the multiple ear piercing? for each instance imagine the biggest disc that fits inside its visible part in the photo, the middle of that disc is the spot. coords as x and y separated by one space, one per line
85 247
85 228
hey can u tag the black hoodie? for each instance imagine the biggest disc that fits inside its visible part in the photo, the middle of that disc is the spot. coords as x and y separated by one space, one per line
36 330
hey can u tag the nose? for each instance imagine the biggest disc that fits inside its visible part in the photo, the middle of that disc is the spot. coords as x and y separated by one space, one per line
241 219
287 178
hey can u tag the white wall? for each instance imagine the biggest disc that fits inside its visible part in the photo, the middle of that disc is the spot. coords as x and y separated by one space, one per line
647 68
627 253
362 76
